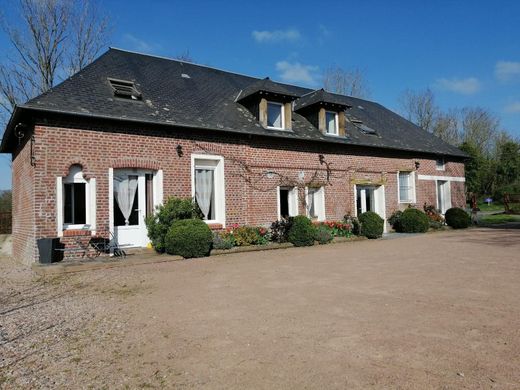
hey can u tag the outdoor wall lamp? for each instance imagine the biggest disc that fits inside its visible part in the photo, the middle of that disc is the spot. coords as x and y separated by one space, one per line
417 164
180 153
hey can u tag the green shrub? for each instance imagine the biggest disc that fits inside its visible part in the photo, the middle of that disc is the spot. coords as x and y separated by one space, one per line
372 225
457 218
280 230
436 225
413 221
302 231
323 234
223 240
165 215
189 238
395 220
249 235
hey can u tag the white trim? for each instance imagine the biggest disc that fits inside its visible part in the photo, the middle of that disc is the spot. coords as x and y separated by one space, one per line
282 115
111 203
319 206
92 205
59 206
336 124
220 186
444 178
411 184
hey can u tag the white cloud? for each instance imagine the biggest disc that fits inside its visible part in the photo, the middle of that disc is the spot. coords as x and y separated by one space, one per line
290 35
466 86
507 70
141 45
297 73
513 107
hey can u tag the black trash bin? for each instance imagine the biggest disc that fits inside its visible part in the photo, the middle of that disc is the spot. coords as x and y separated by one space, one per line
46 248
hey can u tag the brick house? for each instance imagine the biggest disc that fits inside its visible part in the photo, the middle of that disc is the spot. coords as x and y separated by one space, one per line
99 151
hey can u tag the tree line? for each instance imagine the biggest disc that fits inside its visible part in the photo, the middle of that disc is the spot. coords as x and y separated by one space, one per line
494 164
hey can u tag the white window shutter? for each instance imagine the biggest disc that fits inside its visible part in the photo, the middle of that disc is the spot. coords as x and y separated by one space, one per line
92 204
59 206
320 204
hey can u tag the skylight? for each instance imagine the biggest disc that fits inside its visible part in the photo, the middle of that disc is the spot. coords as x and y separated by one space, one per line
125 89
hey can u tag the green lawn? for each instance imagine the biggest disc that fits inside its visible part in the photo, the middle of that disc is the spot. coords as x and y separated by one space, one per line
498 218
491 207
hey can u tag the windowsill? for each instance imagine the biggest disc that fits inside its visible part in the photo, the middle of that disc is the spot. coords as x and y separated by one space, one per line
440 169
278 129
73 232
214 225
331 135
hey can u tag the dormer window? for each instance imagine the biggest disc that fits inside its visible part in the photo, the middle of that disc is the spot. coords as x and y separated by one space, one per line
440 165
275 115
331 123
125 89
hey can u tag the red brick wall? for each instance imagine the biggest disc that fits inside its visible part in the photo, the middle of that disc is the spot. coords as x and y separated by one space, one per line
57 148
24 244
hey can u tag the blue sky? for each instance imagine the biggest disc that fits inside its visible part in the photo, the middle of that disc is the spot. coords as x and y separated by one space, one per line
467 52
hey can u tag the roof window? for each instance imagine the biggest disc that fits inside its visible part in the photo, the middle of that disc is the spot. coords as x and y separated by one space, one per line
125 89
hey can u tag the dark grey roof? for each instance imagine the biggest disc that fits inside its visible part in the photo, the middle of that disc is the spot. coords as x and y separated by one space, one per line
198 97
266 86
319 96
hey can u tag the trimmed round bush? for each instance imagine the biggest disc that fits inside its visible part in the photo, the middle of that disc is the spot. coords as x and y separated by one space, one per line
395 220
189 238
302 232
413 221
323 235
457 218
372 225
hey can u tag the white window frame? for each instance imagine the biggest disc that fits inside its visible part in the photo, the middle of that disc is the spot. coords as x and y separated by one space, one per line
412 188
293 201
220 187
76 176
319 204
336 124
282 113
440 167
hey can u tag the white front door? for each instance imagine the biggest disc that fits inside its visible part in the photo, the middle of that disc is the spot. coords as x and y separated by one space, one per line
133 198
371 198
443 196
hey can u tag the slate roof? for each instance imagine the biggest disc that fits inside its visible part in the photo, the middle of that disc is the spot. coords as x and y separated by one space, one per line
197 97
266 85
319 96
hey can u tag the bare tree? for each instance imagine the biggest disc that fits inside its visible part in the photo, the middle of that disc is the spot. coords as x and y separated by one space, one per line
346 82
51 39
419 107
446 127
480 128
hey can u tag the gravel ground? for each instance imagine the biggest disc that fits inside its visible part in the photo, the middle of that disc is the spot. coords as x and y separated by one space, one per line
435 311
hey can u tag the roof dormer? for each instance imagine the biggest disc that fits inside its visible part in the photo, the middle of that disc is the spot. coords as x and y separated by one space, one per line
270 103
324 110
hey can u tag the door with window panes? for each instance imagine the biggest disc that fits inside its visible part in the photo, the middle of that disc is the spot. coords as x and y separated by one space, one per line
133 201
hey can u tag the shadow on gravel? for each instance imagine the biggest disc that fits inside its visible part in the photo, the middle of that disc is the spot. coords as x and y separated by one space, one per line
497 236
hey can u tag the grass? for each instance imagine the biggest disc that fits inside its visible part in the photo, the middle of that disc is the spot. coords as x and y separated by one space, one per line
491 207
499 218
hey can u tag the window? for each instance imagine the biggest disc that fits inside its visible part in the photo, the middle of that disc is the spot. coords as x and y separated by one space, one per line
440 164
208 186
406 187
315 201
125 89
287 202
331 123
75 201
275 113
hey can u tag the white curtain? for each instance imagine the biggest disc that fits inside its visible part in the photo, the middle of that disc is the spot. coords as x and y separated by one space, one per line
204 190
310 195
124 190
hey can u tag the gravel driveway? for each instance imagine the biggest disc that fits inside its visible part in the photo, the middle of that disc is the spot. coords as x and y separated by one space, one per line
432 311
